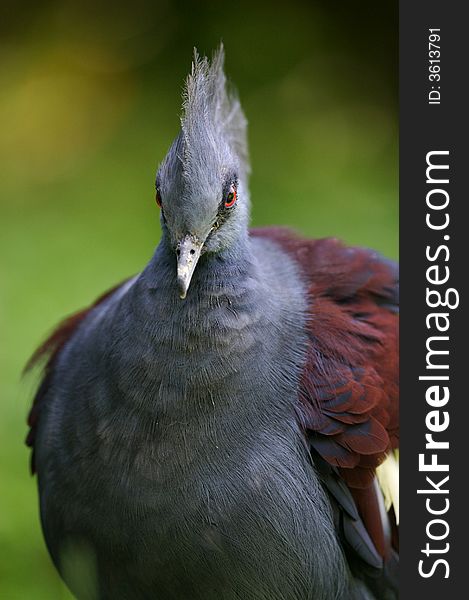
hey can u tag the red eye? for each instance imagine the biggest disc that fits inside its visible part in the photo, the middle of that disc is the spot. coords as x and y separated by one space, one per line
231 197
158 198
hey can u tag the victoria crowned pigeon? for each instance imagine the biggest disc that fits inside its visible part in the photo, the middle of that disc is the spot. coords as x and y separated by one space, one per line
210 429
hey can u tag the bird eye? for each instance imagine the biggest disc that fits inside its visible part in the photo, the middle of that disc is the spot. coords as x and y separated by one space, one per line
231 197
158 197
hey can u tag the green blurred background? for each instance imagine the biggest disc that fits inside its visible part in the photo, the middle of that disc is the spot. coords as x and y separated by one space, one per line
89 103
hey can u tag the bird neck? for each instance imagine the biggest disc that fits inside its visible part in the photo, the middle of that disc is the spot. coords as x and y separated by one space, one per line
243 308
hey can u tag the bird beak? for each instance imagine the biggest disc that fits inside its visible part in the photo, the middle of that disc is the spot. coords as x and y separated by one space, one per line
188 253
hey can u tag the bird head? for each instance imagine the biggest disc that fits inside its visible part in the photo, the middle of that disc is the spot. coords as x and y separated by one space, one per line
201 185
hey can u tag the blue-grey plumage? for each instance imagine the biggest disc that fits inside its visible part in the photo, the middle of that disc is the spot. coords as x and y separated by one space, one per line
169 442
170 428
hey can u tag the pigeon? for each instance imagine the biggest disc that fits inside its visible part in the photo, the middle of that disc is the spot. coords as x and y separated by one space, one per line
212 428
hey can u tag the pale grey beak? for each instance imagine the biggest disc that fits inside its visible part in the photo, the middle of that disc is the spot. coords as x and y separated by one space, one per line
188 253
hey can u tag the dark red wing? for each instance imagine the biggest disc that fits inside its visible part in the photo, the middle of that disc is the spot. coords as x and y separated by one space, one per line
348 401
50 350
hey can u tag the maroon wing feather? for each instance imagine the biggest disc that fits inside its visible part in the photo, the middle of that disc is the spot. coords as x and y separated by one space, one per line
50 350
348 400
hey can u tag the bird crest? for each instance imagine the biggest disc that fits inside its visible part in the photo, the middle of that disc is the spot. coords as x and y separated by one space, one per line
212 116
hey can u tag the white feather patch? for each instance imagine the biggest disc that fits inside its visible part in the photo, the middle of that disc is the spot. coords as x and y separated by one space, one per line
388 479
